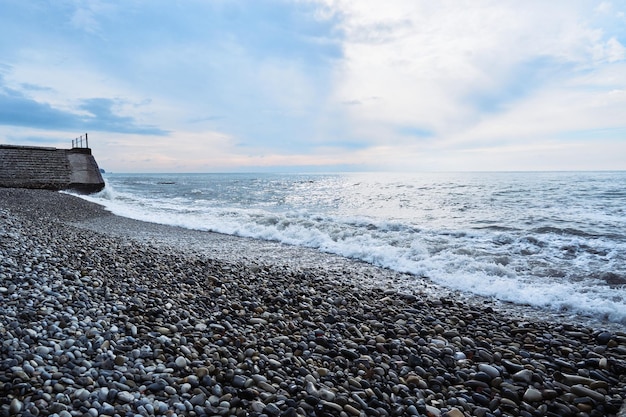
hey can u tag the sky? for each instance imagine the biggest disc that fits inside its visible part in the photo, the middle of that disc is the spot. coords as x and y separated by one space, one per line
319 85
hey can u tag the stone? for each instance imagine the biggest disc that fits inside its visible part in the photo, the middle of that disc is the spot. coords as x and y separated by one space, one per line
265 386
125 397
181 361
42 350
16 406
525 375
81 394
492 371
532 395
433 411
239 381
351 410
587 392
326 394
603 338
198 399
454 412
156 387
272 409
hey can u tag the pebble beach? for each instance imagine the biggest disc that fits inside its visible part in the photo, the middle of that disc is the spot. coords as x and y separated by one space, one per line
104 316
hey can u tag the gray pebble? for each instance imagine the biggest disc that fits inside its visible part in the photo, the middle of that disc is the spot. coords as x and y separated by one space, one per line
532 395
112 326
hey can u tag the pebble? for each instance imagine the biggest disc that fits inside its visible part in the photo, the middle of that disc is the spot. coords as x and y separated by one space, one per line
181 362
267 387
489 370
272 409
16 406
351 410
326 394
42 350
525 375
455 412
239 381
125 396
586 392
97 324
532 395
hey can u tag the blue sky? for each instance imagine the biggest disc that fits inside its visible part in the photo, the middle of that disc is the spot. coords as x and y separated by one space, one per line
319 85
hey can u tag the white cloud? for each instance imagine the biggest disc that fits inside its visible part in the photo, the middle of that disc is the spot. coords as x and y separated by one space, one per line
417 84
615 51
187 151
604 7
87 13
180 152
476 72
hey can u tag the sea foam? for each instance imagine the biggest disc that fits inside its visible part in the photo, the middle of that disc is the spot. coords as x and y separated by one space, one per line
510 238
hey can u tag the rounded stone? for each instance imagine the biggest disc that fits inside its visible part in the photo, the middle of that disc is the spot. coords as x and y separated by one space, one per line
525 375
492 371
16 406
81 394
272 409
455 412
603 338
42 350
351 410
125 396
181 362
239 381
257 406
326 394
198 399
532 395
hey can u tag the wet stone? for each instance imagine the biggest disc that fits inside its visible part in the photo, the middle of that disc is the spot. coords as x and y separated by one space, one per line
239 381
16 406
198 399
587 392
492 371
603 338
181 362
272 409
524 375
532 395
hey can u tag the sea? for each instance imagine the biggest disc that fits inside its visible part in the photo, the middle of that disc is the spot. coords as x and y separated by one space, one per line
555 241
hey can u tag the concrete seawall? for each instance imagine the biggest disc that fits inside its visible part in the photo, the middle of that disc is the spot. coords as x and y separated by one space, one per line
49 168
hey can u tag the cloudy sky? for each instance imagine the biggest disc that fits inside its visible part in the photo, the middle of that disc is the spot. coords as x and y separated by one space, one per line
319 85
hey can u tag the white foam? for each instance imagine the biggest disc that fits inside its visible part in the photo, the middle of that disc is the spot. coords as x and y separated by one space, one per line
516 266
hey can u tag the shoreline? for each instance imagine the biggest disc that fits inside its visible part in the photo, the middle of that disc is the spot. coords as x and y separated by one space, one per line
237 249
242 250
171 326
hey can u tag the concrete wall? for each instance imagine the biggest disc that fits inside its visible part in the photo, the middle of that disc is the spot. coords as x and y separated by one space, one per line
49 168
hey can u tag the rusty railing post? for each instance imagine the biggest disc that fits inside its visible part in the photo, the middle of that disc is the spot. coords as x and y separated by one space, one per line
78 142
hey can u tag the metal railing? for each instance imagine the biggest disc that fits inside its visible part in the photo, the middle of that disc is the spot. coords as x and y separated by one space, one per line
78 142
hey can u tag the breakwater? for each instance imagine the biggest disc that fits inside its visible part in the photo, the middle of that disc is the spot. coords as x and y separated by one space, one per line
49 168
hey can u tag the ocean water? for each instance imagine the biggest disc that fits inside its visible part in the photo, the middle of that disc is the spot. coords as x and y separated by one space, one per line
553 240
